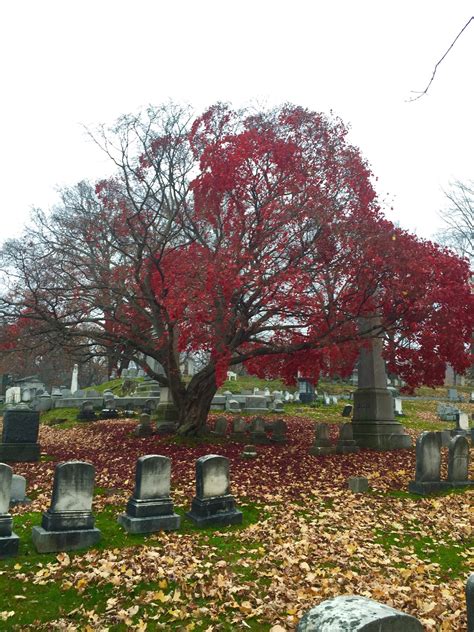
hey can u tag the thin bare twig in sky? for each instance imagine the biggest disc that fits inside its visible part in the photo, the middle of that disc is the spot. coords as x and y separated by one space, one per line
420 94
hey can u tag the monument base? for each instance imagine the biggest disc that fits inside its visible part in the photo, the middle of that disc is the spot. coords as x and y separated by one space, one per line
20 452
150 524
259 438
55 541
9 546
219 510
317 450
424 488
167 418
347 449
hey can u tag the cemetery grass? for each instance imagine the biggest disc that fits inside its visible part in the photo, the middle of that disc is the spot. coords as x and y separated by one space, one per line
305 538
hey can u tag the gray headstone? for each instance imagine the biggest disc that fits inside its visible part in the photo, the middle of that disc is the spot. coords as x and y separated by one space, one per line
458 460
6 474
356 614
345 442
18 489
152 477
462 420
68 524
212 476
322 443
358 484
221 426
470 602
213 504
428 457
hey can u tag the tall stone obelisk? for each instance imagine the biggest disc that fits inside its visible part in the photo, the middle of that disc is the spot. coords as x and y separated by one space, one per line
373 420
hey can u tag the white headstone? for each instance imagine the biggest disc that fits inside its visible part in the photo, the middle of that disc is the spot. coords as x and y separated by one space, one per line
74 379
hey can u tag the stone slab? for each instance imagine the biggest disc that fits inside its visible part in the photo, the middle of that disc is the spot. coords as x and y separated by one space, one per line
55 541
219 510
149 525
424 488
20 452
9 546
317 451
356 614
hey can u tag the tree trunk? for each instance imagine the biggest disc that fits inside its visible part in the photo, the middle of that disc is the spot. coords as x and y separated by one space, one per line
195 405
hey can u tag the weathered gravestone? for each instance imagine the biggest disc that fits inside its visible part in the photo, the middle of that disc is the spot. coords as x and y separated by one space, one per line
445 436
220 427
458 462
345 442
8 540
356 614
20 434
322 443
68 524
144 428
86 412
278 406
279 431
398 407
358 484
453 394
166 413
462 423
213 504
151 508
470 602
233 406
428 465
258 434
239 428
18 490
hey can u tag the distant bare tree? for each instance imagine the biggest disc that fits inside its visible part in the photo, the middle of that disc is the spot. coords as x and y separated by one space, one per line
458 217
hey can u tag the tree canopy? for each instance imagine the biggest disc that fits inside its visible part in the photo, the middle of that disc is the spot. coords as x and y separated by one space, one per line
249 237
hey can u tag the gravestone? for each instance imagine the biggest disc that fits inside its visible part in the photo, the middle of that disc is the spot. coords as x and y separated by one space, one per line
166 413
213 503
233 406
347 410
373 420
398 407
150 508
250 452
345 442
8 540
255 403
358 484
470 602
322 443
351 613
18 490
220 427
278 406
258 434
86 412
458 462
279 431
445 437
462 423
239 428
452 394
428 465
68 524
20 434
144 428
13 395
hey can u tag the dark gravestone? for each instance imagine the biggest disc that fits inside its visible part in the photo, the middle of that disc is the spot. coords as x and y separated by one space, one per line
258 434
8 540
144 428
86 412
68 524
20 434
347 410
373 419
356 614
470 602
358 484
151 508
428 465
279 431
249 452
239 428
220 427
167 414
213 504
345 442
322 443
458 462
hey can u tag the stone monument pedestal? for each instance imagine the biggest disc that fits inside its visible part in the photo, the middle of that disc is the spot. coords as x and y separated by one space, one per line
166 413
147 516
9 541
218 510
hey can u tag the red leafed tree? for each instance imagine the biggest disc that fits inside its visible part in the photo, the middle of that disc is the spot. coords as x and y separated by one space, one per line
252 238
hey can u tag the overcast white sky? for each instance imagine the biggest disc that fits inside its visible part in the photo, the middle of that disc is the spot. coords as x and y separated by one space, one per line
65 64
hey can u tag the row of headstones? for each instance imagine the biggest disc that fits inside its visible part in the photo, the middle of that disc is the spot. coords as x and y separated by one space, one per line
322 443
68 524
428 464
351 613
257 430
